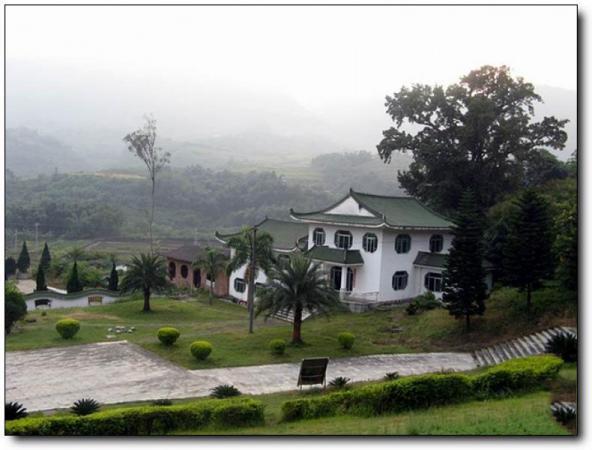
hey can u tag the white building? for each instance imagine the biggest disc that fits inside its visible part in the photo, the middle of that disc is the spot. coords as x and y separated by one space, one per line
375 249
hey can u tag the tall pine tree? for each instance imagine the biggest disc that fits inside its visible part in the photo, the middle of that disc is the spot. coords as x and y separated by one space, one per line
41 283
74 284
9 267
113 278
24 262
465 290
45 257
528 257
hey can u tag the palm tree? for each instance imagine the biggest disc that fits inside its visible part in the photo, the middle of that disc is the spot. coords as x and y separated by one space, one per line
74 254
212 262
259 259
146 272
298 286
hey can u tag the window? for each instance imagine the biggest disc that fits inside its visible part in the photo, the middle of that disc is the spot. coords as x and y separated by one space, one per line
349 281
433 282
336 277
197 278
436 243
400 280
343 239
402 243
184 271
318 236
172 270
239 285
370 242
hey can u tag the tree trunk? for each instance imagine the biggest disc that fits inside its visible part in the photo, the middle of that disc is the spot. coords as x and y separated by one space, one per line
467 322
146 300
296 334
152 216
251 293
211 290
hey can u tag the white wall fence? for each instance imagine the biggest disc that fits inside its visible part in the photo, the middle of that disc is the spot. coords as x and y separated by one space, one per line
51 299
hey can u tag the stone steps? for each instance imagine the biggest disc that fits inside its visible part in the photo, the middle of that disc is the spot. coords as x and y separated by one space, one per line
533 344
566 406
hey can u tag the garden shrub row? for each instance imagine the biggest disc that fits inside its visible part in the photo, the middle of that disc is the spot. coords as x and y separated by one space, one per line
145 420
423 391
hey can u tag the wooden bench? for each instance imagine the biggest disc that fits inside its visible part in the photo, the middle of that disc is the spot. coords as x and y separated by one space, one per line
313 371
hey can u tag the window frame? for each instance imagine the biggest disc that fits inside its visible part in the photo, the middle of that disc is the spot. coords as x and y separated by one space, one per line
400 275
244 284
399 240
184 271
436 238
435 277
342 234
365 241
320 231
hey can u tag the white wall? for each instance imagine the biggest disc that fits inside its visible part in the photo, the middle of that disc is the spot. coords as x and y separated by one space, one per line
69 303
351 208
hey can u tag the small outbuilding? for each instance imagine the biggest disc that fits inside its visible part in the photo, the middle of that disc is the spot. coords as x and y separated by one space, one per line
182 273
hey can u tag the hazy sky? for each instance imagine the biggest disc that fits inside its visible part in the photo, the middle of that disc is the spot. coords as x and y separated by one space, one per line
323 58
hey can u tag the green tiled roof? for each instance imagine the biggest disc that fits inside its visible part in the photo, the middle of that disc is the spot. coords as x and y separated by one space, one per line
430 259
395 212
439 260
335 255
285 234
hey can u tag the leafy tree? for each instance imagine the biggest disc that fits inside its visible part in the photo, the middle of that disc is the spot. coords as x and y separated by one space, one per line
298 286
9 267
74 284
24 262
142 143
259 259
527 254
495 240
145 273
464 286
45 257
41 283
113 278
566 245
543 166
15 306
213 263
478 134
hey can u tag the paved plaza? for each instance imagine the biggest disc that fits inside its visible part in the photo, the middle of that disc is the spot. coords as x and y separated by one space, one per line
114 372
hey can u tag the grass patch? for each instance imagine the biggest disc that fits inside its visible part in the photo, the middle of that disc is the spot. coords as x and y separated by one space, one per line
225 326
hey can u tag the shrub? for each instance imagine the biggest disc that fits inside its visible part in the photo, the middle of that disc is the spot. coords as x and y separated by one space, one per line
423 391
339 382
85 406
67 328
201 349
162 402
564 345
411 309
15 307
346 340
225 391
145 420
390 376
14 410
423 302
168 335
277 346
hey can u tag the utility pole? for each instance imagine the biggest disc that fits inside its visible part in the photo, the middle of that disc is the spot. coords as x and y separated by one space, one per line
36 235
251 293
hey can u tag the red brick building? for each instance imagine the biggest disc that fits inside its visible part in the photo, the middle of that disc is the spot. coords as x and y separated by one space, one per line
184 275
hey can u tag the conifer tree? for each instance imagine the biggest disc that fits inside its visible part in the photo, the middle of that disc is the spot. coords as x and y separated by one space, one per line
45 257
41 284
464 277
74 284
24 262
528 257
9 267
113 278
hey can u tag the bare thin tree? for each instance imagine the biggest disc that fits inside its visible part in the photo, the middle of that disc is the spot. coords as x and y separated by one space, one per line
142 143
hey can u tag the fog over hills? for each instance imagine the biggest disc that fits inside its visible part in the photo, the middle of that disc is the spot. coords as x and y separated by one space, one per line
64 117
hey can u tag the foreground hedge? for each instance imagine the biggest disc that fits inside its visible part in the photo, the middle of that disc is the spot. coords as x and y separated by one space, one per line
423 391
145 420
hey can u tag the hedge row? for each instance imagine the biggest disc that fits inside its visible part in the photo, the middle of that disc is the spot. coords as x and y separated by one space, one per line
144 420
423 391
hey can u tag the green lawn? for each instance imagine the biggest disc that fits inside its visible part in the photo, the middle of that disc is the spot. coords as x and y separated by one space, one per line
225 325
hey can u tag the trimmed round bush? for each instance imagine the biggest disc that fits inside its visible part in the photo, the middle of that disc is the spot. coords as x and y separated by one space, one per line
168 335
277 346
201 349
67 328
346 340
